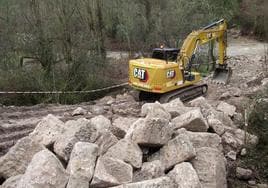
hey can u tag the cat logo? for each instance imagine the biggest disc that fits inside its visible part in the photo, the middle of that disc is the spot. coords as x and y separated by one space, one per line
140 74
171 74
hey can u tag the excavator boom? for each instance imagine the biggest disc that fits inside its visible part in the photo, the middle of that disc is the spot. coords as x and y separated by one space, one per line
215 31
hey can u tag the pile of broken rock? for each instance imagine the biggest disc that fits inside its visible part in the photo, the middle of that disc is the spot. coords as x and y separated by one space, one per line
164 145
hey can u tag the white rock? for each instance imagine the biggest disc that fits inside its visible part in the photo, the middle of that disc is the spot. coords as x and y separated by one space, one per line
243 174
80 130
48 130
201 139
79 112
175 107
252 183
241 135
151 132
210 113
227 108
82 164
127 151
217 126
111 172
101 123
107 100
126 108
192 121
124 98
178 150
45 170
225 96
97 110
76 124
105 141
149 170
235 140
18 157
198 102
185 176
121 126
155 110
12 182
243 152
163 182
232 155
264 82
210 165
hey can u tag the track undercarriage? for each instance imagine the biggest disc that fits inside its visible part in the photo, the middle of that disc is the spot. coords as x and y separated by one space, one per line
185 94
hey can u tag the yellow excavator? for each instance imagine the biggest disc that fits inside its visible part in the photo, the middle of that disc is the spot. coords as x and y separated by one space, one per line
168 74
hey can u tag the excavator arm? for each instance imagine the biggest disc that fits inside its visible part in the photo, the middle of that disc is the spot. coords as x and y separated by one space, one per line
215 31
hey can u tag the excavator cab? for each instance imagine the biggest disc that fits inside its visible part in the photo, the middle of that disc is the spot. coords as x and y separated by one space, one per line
168 54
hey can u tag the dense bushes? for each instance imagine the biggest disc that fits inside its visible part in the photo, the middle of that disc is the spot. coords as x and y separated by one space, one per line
258 121
253 18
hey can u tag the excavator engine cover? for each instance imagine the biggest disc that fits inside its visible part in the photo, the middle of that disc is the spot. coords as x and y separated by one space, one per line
222 75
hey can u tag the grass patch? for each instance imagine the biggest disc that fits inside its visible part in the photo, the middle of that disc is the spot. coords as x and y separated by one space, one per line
33 78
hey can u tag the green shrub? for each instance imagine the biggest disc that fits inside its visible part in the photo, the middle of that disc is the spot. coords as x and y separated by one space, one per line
257 157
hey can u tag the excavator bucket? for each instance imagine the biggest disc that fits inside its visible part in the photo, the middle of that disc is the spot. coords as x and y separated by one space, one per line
222 75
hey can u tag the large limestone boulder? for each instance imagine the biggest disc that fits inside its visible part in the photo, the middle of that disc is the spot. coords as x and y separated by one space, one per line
210 165
125 105
79 112
202 139
44 171
97 109
176 108
155 110
126 108
82 164
227 108
82 131
235 139
202 103
243 174
18 157
75 124
185 176
178 150
217 126
211 113
48 130
149 170
108 100
105 141
192 121
101 123
249 138
124 98
163 182
12 182
121 126
111 172
151 132
127 151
